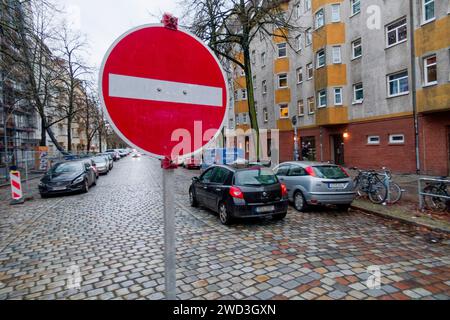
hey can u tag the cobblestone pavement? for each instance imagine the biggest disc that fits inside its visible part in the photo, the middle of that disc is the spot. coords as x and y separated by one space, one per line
112 238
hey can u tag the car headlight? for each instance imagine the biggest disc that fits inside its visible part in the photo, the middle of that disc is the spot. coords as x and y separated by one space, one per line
78 180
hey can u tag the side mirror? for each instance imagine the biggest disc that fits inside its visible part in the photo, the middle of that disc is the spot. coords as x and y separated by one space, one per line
195 179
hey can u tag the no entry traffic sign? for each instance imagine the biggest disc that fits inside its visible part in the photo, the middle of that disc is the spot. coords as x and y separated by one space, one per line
155 81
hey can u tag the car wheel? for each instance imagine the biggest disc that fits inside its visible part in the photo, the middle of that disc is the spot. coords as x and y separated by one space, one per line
86 186
344 207
224 215
94 183
44 196
280 216
192 200
300 202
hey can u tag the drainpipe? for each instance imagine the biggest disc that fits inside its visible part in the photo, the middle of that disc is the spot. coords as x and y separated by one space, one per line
413 85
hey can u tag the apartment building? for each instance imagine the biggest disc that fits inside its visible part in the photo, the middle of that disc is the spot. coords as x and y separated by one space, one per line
369 81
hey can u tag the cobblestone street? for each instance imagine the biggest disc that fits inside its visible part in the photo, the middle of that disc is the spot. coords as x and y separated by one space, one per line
114 235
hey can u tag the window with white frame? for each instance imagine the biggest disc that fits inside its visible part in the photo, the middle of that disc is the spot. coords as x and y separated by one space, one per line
254 83
231 124
311 105
320 18
396 138
309 70
322 98
358 93
282 80
264 86
307 5
300 108
297 11
430 70
373 140
336 51
265 115
338 99
356 49
244 94
335 12
236 95
244 118
398 84
428 12
284 111
320 59
253 56
308 37
355 6
299 75
263 59
298 42
396 32
282 50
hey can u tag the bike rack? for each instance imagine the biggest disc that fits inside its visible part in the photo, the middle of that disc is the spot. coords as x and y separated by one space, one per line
423 194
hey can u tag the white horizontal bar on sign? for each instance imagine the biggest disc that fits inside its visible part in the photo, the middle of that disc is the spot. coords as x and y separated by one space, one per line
164 91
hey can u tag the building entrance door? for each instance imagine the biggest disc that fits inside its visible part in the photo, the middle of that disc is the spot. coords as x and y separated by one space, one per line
337 149
448 151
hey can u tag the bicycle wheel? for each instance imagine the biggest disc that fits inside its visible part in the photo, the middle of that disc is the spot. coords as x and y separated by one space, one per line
435 203
377 192
357 187
395 193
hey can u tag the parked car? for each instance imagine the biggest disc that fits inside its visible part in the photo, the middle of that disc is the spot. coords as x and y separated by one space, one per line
101 164
192 163
110 159
240 193
67 177
92 164
137 155
114 154
312 183
122 153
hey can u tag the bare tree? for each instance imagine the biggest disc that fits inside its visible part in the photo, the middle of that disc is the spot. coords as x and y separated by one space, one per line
230 27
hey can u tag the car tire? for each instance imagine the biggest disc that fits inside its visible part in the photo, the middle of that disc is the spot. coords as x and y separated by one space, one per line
344 207
224 216
279 217
300 202
44 196
86 186
94 183
192 200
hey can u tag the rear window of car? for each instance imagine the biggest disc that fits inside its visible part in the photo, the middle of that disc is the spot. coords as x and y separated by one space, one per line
330 172
255 177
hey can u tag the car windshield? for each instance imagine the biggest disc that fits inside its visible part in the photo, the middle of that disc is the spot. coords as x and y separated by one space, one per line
66 168
255 177
99 160
330 172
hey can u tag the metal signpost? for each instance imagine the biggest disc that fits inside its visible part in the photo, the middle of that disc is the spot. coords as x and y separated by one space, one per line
157 82
296 151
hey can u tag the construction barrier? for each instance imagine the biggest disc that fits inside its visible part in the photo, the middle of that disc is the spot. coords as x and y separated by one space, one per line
16 187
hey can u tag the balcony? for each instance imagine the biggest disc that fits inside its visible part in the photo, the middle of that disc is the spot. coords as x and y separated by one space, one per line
332 116
284 125
434 99
241 107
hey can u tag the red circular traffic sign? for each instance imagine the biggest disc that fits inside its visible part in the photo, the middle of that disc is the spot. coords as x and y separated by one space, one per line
161 87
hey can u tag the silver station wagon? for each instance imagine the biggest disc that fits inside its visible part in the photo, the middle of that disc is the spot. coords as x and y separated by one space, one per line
313 183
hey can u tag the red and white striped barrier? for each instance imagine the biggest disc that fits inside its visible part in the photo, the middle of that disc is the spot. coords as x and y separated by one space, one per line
16 185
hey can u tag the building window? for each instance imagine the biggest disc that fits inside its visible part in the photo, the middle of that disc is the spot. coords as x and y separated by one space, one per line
244 118
253 56
335 12
307 5
284 111
358 93
301 108
320 59
309 70
373 140
263 59
282 50
311 105
297 11
299 75
356 6
308 38
266 115
396 138
264 87
282 81
396 32
298 42
242 73
428 10
430 70
337 54
254 83
244 94
322 98
338 100
398 84
356 49
231 124
320 18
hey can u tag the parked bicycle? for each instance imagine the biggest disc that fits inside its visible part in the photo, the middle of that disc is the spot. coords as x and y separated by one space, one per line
395 191
369 183
436 194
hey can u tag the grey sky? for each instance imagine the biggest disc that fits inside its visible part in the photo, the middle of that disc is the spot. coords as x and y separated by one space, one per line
102 21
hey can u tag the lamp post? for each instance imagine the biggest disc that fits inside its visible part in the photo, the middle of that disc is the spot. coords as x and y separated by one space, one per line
6 118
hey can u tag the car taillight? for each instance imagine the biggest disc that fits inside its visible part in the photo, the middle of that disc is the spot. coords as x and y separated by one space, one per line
310 171
235 192
344 171
284 191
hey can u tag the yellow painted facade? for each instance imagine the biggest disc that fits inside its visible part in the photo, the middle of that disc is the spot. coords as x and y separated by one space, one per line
241 107
280 35
436 98
317 4
332 116
383 117
240 83
433 36
283 96
329 34
284 125
330 75
281 65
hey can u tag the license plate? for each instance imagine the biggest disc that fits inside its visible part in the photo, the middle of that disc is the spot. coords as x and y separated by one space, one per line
265 209
59 188
337 185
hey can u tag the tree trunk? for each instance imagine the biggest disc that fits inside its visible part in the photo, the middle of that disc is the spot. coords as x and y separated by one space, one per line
43 142
69 134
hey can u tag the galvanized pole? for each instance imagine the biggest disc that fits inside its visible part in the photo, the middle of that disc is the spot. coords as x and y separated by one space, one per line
296 154
169 233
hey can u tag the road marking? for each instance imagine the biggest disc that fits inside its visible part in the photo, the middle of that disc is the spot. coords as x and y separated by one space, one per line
165 91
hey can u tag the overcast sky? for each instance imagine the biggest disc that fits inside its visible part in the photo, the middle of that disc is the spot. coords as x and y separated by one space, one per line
102 21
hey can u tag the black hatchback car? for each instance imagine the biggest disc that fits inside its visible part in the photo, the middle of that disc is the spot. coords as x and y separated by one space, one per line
67 177
240 193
